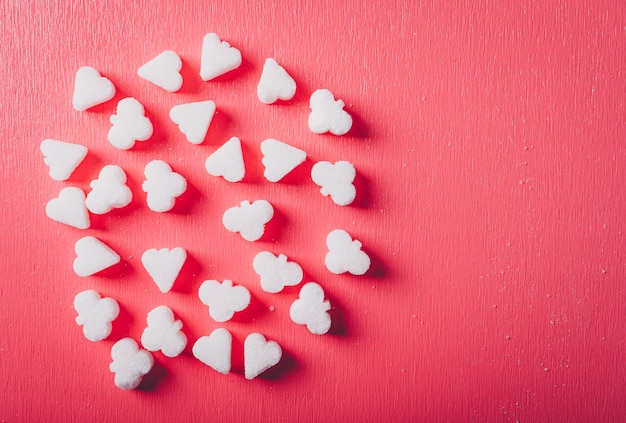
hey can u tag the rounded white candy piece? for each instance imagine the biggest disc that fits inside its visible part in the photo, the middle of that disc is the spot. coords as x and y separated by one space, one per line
95 314
130 363
327 114
276 272
164 333
223 299
248 219
162 186
109 191
311 309
335 180
193 119
227 161
345 255
129 124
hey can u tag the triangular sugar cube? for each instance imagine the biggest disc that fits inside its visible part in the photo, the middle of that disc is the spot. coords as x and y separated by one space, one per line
279 159
227 161
193 119
62 157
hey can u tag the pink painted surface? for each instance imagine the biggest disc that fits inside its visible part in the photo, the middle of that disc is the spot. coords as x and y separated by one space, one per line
489 143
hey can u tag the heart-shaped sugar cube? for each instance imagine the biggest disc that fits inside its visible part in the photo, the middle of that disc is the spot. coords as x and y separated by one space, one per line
259 355
275 83
164 265
91 89
92 256
215 350
69 208
163 71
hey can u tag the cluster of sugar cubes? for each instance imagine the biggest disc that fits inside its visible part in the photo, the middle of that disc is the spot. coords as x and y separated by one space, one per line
162 186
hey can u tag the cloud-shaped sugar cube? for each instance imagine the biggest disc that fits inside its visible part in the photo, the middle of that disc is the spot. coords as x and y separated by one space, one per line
275 83
62 157
223 299
163 332
335 180
327 114
164 265
95 314
69 208
130 363
109 191
163 71
311 309
215 350
129 124
248 219
345 255
259 354
276 272
217 58
162 186
91 89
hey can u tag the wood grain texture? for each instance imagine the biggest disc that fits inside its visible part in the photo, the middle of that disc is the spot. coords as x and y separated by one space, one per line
489 145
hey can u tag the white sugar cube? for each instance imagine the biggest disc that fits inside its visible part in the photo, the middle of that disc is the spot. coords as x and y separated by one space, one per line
62 157
163 333
130 363
259 355
69 208
95 314
345 254
311 309
248 219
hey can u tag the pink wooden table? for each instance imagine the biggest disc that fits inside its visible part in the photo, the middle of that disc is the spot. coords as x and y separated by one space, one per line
489 142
